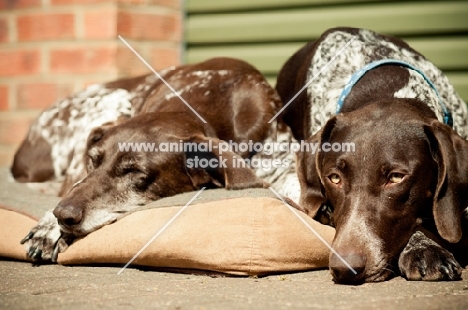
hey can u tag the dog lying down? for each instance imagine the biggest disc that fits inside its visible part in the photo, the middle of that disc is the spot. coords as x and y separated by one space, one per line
398 198
230 95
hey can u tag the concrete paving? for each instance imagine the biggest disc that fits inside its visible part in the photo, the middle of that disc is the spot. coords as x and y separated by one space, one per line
23 286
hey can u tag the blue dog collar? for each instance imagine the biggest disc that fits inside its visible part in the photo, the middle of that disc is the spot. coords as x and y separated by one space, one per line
360 73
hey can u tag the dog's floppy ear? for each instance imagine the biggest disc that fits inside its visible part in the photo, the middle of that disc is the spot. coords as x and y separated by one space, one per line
97 133
210 164
451 154
308 171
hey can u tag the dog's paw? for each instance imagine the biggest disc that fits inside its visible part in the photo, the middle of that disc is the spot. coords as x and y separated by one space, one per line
45 240
423 259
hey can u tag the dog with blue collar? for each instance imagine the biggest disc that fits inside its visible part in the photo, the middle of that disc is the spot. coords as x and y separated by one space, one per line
399 198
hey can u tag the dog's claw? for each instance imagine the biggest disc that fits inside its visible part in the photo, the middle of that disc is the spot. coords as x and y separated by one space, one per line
28 237
422 271
31 251
45 240
55 253
37 253
445 271
423 259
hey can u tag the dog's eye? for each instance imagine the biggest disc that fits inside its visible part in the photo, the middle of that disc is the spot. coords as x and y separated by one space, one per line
139 180
93 162
396 178
335 178
140 183
131 170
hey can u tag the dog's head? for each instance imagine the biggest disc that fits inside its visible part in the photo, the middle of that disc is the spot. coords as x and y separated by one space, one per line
405 169
177 154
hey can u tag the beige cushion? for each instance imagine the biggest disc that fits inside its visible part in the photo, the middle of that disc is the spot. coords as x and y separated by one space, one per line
13 227
246 232
243 236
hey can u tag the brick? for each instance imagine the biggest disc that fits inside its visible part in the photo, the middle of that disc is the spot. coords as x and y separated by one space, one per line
166 3
129 64
41 95
40 27
176 4
83 60
65 2
132 1
140 26
19 4
19 62
13 129
4 102
164 57
100 24
3 30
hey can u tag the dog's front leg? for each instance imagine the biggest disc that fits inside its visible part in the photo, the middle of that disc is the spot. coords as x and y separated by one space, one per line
423 259
46 240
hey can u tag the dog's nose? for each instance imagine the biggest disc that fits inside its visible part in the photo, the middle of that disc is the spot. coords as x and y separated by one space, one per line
68 215
342 273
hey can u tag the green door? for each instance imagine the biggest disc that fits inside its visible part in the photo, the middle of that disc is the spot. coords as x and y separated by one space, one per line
266 32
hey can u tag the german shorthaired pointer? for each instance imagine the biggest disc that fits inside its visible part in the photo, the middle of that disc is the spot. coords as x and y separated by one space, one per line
406 180
101 182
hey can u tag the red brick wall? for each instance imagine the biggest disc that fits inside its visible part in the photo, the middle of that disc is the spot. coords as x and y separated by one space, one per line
50 48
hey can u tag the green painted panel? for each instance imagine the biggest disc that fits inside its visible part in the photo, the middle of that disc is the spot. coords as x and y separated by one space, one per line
304 24
206 6
268 58
447 53
266 32
271 80
460 81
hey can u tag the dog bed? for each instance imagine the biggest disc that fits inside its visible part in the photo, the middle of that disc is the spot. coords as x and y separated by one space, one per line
247 232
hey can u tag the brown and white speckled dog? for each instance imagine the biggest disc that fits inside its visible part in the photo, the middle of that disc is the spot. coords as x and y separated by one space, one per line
77 141
408 173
